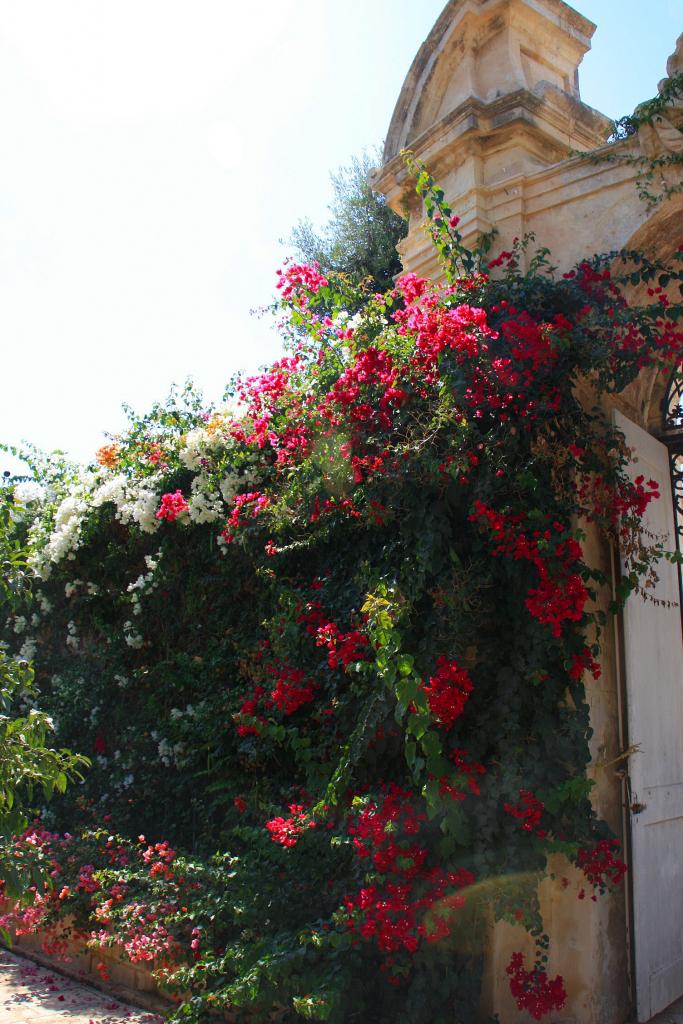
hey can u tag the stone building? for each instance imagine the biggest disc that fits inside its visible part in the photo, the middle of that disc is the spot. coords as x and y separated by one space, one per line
492 106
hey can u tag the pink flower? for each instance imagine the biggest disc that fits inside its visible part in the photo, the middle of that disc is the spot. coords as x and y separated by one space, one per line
172 506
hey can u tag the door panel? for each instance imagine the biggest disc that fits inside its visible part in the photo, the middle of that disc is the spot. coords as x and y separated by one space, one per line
653 662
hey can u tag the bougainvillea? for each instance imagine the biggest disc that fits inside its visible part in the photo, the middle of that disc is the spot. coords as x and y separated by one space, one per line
533 991
338 630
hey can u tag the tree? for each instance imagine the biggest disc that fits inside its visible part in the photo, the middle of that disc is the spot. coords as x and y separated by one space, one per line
360 238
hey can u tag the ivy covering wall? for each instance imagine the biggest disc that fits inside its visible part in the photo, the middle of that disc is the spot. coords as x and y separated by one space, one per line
327 644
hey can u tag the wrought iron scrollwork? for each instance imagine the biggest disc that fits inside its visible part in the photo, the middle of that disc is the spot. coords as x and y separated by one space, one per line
672 436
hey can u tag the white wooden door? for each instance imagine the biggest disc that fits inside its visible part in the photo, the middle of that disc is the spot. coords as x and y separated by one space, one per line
654 693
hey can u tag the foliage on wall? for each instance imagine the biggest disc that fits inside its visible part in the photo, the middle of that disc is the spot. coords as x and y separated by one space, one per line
338 631
30 770
658 123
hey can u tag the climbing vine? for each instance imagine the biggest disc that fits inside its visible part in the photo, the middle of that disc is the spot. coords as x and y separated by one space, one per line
339 629
660 175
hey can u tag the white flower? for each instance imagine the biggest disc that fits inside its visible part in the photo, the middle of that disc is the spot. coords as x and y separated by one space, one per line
165 751
144 584
205 505
72 641
202 444
143 510
20 624
28 491
234 409
66 534
135 502
28 649
196 442
231 484
113 490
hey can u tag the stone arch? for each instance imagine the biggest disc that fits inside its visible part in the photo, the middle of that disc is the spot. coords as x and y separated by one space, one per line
659 237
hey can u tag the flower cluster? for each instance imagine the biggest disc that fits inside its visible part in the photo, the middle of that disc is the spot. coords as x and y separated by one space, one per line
159 857
343 648
561 595
413 899
248 505
617 504
468 769
286 831
172 506
113 897
529 811
533 990
299 281
108 456
600 865
447 693
402 484
248 711
292 691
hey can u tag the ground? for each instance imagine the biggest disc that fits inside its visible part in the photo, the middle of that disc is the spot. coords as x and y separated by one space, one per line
31 994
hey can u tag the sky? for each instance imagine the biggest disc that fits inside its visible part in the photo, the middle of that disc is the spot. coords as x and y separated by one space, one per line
154 154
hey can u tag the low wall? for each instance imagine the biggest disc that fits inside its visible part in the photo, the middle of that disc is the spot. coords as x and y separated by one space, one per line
129 982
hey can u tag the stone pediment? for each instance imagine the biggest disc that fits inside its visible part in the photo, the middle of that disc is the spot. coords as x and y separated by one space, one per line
482 50
491 105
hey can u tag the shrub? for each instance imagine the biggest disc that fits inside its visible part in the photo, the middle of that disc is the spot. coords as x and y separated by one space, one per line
338 630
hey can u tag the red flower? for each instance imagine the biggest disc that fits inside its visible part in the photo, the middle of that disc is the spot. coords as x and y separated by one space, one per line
533 990
286 831
172 505
600 866
529 811
448 691
292 691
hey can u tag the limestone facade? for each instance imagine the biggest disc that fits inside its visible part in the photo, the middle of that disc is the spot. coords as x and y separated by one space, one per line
492 106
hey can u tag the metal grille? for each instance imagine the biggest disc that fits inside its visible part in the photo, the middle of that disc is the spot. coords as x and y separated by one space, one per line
672 436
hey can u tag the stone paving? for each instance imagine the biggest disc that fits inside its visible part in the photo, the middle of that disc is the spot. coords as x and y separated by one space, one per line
672 1015
31 994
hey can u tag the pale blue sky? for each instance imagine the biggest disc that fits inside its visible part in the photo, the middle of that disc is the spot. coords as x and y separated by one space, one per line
153 153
